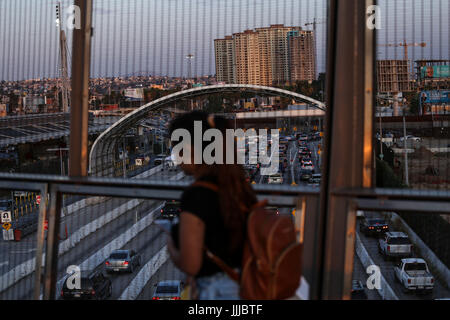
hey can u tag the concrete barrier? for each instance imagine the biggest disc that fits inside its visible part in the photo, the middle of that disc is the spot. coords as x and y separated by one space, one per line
439 269
144 275
385 291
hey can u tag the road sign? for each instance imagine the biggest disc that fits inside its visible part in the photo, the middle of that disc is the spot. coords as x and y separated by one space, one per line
6 216
7 226
38 199
46 225
8 235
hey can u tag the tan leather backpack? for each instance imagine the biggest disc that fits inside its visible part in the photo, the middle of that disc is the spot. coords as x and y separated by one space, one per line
271 264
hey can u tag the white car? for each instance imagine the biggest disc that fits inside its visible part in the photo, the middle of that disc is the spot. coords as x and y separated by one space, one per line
409 137
275 179
414 275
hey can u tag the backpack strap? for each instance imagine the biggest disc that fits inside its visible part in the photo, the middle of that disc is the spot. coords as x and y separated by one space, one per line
207 185
222 265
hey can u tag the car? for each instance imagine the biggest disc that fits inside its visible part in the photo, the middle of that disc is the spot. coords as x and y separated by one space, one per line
159 161
168 290
358 292
395 245
275 179
410 137
122 260
307 167
414 275
315 180
94 285
6 204
169 164
171 209
373 226
273 209
305 176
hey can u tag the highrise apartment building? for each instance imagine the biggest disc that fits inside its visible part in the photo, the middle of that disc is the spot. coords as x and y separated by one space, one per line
266 56
301 56
224 59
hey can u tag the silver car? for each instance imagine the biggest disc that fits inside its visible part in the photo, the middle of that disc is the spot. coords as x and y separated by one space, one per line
122 260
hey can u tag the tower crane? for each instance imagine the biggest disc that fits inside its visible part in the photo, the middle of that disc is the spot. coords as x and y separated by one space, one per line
405 45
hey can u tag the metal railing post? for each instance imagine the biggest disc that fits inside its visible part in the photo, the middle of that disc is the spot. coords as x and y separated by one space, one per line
348 158
51 255
79 117
40 243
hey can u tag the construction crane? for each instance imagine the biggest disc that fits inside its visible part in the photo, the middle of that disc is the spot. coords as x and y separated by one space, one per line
65 86
314 24
405 45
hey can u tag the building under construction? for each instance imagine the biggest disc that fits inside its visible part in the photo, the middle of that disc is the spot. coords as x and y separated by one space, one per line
393 76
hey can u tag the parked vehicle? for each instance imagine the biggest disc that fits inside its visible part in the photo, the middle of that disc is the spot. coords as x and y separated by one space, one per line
122 260
414 275
373 226
395 245
93 285
168 290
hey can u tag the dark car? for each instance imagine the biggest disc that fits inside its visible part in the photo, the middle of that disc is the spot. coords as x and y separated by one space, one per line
171 209
122 260
6 205
305 175
373 226
94 285
358 292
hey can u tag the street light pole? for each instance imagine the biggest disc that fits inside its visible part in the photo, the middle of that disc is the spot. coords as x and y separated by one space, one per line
381 140
404 149
124 164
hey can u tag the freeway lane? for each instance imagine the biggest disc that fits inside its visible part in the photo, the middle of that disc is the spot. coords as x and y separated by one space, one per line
92 240
387 269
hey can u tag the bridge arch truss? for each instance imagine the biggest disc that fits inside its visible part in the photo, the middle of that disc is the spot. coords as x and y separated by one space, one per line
102 154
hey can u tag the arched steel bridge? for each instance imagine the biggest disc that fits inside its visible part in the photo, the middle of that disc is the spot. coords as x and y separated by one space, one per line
102 154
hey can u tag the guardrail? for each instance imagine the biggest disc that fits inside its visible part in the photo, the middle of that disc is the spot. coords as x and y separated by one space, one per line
305 200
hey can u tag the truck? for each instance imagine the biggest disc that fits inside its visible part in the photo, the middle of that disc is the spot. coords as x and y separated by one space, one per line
414 275
395 245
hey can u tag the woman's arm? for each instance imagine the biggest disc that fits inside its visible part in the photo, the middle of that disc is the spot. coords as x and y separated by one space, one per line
190 256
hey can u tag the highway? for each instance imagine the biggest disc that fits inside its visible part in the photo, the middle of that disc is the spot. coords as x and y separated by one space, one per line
387 269
114 223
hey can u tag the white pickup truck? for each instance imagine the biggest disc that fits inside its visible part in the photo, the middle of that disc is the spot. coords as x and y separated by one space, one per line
414 275
395 245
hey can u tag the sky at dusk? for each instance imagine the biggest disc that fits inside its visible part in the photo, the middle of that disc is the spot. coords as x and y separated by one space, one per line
152 37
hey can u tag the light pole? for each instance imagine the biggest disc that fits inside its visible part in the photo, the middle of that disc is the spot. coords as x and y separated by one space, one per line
381 140
62 171
404 150
124 164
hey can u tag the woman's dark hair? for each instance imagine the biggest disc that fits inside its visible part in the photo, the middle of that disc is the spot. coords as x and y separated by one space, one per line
236 195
